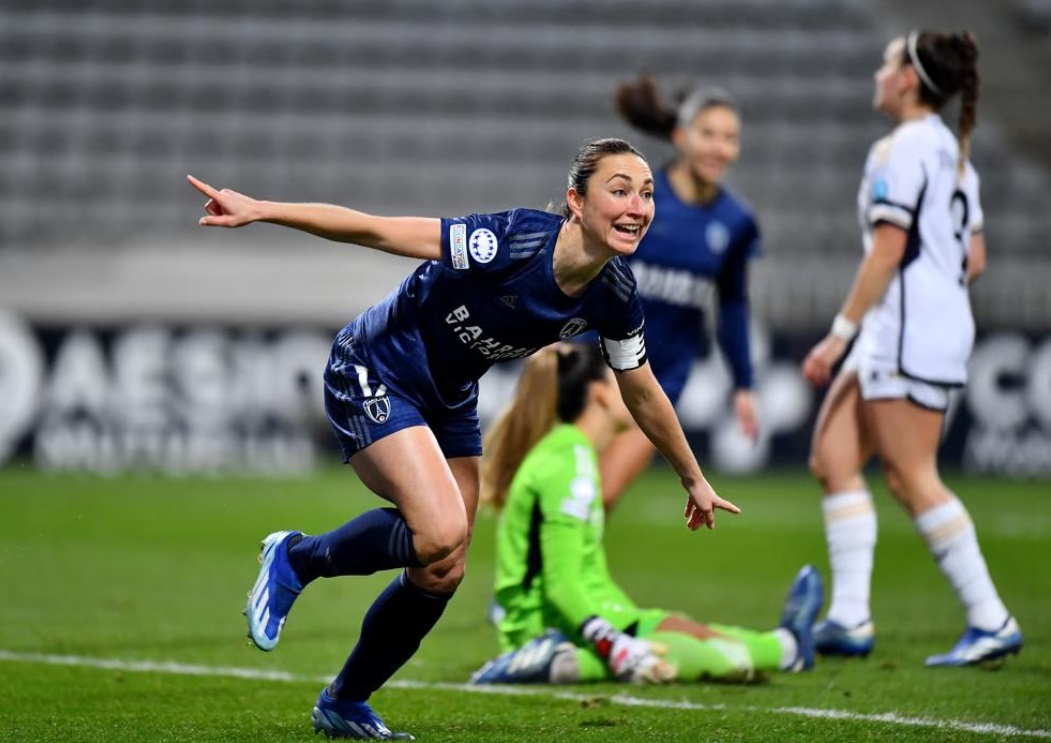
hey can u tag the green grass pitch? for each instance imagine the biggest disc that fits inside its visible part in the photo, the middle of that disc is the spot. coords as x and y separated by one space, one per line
120 603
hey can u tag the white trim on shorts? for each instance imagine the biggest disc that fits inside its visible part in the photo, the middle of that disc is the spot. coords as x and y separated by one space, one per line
883 382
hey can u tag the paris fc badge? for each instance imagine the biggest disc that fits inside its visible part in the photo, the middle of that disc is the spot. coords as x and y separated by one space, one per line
378 409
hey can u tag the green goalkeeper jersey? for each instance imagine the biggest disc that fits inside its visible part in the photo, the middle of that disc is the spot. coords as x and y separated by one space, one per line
551 567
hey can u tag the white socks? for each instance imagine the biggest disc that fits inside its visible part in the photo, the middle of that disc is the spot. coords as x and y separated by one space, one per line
950 535
850 528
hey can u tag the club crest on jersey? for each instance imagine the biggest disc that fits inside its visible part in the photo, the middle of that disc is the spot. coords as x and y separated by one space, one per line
458 246
718 237
573 327
482 245
378 409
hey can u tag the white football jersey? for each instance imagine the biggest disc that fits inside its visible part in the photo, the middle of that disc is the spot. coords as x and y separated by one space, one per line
922 326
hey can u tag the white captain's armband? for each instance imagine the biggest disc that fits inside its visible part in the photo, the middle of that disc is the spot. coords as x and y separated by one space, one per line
627 354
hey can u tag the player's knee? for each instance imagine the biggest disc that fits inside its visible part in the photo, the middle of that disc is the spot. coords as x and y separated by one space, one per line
918 489
442 577
819 468
895 481
832 472
440 540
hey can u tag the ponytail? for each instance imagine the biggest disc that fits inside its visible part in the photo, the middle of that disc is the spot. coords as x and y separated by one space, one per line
641 104
520 426
967 48
947 64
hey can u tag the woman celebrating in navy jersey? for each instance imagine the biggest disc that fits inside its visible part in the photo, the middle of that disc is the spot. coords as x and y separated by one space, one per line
699 244
922 234
401 393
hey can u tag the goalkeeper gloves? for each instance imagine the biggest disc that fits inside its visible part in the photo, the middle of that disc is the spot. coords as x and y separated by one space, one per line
629 658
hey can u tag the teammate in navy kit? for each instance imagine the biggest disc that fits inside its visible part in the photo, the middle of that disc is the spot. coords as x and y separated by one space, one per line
697 249
401 392
922 222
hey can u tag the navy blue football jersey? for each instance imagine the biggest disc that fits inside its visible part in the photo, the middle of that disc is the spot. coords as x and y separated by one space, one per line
690 253
491 298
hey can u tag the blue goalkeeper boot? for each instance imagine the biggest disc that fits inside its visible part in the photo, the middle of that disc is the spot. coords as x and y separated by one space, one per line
832 638
340 718
978 645
802 604
530 664
274 592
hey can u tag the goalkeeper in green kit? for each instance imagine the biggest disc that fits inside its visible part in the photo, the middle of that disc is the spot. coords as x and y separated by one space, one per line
562 618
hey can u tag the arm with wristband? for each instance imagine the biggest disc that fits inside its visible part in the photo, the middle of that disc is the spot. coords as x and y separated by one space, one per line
894 182
873 277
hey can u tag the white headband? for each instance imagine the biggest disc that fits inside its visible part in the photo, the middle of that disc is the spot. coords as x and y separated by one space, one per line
914 57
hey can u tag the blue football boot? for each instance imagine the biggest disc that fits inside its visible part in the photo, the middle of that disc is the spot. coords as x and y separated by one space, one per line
339 718
274 591
802 604
832 638
530 664
979 645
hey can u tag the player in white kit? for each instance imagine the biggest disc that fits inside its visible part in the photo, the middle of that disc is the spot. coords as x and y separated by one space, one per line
909 308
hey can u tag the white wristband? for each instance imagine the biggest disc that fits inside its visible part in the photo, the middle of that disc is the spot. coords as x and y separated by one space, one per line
843 327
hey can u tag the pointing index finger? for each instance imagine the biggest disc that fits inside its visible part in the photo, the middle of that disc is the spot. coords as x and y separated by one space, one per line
202 187
727 506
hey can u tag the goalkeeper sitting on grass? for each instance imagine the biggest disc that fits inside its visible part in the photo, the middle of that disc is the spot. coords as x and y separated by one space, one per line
563 619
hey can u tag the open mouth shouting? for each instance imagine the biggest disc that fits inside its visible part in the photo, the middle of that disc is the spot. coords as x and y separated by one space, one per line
629 230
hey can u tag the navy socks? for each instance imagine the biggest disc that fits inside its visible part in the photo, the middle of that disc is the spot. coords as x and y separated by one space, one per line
402 615
390 634
376 540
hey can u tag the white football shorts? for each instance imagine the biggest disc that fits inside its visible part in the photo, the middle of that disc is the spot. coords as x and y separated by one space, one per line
881 382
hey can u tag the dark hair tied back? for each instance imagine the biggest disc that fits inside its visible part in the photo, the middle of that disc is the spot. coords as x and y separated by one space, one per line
578 366
950 61
641 104
591 153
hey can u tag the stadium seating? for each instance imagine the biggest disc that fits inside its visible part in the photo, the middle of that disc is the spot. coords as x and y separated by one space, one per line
414 106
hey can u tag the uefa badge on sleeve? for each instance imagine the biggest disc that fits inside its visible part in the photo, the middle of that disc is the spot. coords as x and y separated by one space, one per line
880 190
482 245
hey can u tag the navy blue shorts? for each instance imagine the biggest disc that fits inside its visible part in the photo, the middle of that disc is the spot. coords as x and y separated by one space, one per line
362 409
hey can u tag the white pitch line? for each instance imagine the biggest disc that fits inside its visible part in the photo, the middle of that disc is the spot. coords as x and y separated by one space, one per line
184 669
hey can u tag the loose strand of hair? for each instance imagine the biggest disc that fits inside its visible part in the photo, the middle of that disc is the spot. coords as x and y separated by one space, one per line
528 417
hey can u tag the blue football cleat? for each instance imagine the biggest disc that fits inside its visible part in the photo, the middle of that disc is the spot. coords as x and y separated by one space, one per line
832 638
274 591
979 645
802 604
339 718
530 664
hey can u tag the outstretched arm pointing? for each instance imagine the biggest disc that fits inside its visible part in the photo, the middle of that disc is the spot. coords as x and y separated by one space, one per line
413 237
